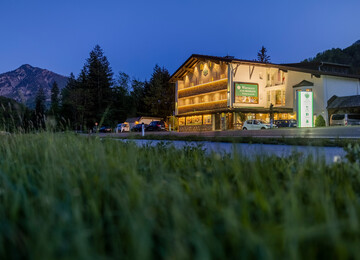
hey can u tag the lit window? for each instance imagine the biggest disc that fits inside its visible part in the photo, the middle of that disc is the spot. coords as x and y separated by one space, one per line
211 97
206 119
181 120
283 97
278 97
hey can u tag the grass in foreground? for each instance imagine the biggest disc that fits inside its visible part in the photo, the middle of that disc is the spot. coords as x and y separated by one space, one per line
69 197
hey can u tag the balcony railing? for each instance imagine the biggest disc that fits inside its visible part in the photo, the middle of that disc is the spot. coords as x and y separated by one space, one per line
203 88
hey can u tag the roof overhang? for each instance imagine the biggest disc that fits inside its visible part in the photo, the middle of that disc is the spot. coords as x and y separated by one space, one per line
190 63
193 60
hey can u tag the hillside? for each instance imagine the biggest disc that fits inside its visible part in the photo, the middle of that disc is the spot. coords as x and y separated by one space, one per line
23 84
349 55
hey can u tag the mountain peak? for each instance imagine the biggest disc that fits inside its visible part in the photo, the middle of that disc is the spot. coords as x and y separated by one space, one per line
27 66
357 42
23 83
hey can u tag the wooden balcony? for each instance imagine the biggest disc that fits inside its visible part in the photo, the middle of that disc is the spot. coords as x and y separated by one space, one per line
203 88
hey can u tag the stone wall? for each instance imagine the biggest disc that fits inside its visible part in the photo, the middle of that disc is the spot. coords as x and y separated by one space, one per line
195 128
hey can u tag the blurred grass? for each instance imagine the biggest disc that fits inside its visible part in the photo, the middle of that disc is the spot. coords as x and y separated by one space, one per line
68 197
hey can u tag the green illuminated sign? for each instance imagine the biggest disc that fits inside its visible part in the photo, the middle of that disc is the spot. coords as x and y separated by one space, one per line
305 109
246 93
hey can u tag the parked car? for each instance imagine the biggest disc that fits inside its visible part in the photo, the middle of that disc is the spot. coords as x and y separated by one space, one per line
345 119
105 129
255 124
286 123
137 128
156 126
124 127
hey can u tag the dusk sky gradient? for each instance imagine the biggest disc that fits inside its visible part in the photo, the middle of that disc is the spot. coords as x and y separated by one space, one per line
136 35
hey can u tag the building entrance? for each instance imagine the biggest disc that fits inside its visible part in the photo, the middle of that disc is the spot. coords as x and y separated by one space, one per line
217 121
229 121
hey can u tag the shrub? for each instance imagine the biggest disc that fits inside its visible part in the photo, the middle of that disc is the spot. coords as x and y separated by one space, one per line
171 120
319 121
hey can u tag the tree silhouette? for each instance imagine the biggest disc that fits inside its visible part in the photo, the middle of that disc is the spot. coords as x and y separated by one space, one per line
262 55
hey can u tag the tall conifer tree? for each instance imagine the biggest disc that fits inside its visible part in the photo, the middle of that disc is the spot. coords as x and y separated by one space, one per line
54 109
160 93
262 55
40 108
99 82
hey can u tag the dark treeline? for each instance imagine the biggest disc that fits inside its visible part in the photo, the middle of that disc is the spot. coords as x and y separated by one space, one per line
349 56
96 96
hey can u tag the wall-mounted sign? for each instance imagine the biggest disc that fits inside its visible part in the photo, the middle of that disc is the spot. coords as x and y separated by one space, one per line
305 109
247 93
205 72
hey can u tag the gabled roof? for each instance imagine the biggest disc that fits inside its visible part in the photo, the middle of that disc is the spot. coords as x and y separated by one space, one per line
137 119
303 83
194 59
344 102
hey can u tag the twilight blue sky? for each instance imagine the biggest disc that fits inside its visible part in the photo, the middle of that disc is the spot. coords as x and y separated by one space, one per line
136 35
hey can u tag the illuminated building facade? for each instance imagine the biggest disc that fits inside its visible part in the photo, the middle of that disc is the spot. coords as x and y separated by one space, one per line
218 93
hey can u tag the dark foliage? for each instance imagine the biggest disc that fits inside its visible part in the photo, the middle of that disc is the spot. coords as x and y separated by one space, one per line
14 117
349 55
85 99
94 97
159 93
262 55
40 109
55 102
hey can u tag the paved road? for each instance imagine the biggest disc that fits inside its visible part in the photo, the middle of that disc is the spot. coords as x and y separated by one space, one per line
322 132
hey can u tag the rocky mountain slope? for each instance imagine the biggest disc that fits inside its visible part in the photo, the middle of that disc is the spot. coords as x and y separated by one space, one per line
23 84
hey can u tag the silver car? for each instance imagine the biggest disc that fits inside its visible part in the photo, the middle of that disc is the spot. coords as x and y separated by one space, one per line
255 124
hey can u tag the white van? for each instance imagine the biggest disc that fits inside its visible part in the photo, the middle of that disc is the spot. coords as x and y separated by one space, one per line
344 119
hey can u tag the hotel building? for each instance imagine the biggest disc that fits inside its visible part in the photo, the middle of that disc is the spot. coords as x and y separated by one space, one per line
217 93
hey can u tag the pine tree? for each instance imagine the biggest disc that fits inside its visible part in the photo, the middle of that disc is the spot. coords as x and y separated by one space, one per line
99 82
262 55
54 109
40 108
160 93
68 102
121 99
85 99
40 102
138 94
